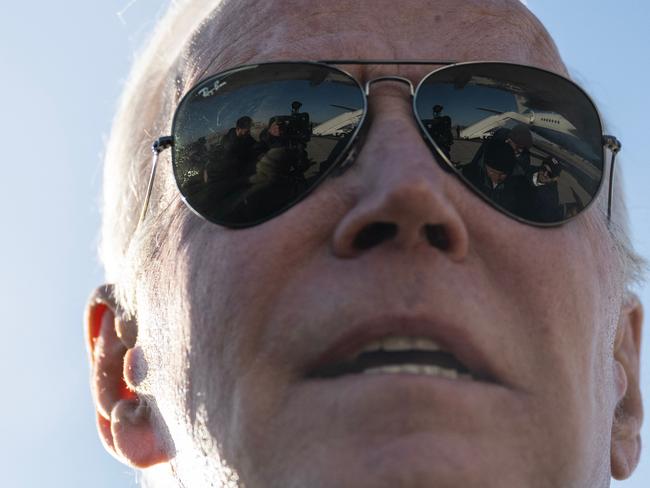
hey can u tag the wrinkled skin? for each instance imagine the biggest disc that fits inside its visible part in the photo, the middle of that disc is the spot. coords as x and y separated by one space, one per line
250 310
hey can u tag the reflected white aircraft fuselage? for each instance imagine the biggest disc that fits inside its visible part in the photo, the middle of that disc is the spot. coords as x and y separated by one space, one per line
546 120
335 125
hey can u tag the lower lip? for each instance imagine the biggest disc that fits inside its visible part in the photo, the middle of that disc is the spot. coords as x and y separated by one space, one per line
395 404
391 406
426 388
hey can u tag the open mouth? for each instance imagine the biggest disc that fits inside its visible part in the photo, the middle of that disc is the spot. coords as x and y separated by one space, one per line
398 355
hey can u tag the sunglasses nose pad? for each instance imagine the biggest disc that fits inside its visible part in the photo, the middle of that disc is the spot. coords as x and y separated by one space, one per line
349 159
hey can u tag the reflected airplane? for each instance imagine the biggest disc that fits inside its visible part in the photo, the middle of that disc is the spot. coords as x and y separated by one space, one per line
573 155
546 120
336 125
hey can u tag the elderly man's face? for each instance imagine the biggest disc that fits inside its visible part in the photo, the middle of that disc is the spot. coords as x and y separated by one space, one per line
252 312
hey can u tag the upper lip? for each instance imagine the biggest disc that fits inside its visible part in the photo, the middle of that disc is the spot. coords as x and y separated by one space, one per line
452 339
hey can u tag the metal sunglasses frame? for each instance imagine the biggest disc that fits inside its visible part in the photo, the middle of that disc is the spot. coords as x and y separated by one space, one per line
608 141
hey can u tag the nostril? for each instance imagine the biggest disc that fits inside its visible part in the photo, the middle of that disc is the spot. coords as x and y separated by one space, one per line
437 236
374 234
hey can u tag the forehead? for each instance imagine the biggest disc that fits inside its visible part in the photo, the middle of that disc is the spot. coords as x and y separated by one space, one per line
246 31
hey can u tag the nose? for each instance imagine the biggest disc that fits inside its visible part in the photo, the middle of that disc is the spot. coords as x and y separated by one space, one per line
402 194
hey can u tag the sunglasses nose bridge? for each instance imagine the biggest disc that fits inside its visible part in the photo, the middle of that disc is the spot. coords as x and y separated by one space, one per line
399 79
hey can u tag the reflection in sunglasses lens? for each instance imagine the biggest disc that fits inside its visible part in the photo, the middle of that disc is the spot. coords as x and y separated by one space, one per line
251 142
499 124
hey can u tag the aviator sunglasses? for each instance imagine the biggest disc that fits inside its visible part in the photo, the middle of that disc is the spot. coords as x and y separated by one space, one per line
250 142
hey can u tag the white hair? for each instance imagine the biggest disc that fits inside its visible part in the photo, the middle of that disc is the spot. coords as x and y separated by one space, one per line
144 113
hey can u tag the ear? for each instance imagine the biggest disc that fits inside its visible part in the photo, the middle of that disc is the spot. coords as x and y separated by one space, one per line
628 417
125 423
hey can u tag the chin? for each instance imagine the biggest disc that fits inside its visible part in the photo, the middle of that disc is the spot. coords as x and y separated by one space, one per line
417 461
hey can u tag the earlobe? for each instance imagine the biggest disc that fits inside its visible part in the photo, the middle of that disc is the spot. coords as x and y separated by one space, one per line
125 424
628 417
135 439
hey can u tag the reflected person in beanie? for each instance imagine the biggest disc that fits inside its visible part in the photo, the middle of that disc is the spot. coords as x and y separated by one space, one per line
521 140
492 174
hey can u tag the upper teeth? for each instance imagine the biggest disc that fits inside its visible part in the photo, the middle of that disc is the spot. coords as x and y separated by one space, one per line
401 343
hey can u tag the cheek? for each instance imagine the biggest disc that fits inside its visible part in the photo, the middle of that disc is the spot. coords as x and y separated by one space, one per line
562 295
229 282
558 294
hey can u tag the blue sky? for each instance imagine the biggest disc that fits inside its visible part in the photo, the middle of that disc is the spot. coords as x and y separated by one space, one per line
63 68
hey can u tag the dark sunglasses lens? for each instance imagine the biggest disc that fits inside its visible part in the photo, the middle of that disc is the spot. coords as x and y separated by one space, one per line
499 125
249 143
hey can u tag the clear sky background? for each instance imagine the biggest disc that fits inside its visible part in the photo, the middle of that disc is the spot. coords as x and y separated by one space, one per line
63 66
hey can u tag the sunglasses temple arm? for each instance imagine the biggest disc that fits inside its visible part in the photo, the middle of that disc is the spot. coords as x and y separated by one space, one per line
157 147
614 145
